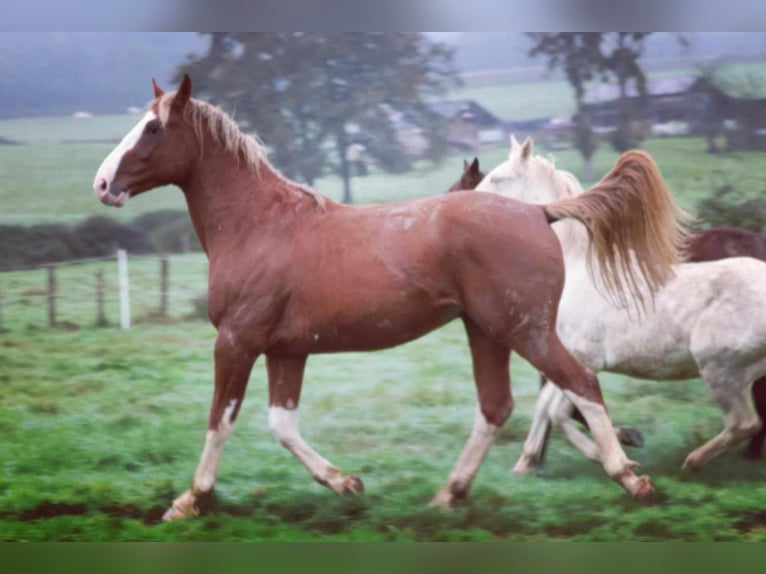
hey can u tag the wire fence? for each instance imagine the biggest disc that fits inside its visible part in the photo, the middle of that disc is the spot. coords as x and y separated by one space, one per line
100 291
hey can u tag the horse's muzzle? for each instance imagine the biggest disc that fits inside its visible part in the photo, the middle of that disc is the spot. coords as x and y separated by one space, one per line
113 196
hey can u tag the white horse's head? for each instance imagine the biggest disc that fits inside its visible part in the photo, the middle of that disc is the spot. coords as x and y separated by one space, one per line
528 178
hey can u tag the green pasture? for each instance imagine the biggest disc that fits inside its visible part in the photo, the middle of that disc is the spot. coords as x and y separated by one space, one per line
49 178
100 428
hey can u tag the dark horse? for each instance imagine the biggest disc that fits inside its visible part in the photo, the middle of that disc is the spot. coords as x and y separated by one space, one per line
293 273
705 245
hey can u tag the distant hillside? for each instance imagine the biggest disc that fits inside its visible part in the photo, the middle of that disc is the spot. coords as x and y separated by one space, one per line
505 50
63 72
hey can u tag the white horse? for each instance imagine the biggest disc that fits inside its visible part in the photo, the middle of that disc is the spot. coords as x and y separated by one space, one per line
709 321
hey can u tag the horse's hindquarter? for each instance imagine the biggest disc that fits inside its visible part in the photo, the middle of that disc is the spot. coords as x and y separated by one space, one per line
708 309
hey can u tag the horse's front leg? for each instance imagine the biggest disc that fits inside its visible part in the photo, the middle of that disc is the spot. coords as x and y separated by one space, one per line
285 380
232 371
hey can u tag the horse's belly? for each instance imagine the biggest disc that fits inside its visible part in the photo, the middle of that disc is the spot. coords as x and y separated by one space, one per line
651 352
607 339
366 332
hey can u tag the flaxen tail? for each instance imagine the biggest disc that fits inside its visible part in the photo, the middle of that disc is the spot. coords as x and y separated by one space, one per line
635 227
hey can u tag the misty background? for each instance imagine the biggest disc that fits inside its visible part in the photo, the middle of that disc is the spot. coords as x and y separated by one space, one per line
60 73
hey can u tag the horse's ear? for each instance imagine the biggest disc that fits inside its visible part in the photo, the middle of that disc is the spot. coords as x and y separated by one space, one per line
526 149
182 95
158 92
465 165
514 144
475 165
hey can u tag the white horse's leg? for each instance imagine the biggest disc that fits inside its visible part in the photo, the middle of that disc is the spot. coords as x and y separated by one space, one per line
731 390
560 411
533 446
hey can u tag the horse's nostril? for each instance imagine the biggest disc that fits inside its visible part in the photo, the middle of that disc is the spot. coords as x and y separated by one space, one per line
102 184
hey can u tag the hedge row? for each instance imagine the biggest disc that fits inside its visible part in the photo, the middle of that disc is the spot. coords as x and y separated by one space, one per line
165 231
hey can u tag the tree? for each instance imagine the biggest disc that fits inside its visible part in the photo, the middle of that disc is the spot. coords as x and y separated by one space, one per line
622 63
579 55
585 56
314 96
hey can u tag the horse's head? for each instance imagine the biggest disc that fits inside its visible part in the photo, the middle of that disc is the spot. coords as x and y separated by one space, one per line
525 177
471 177
157 151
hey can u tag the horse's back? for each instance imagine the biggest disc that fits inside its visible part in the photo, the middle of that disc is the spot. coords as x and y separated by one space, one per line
490 227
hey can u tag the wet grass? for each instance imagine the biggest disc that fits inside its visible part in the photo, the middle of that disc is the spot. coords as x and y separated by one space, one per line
102 428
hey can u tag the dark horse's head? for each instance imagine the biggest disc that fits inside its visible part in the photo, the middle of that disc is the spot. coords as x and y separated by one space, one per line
471 177
155 152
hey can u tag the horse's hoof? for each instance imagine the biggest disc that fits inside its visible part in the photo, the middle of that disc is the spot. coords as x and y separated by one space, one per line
522 468
442 500
630 437
692 463
353 485
185 506
175 513
750 454
644 491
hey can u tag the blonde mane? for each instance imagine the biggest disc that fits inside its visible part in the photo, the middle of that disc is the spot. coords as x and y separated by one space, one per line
212 121
564 182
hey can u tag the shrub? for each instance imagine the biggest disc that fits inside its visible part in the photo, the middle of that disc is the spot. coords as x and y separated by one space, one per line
729 207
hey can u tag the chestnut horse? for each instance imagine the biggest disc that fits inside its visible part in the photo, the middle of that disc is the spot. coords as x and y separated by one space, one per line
293 273
709 321
704 245
471 177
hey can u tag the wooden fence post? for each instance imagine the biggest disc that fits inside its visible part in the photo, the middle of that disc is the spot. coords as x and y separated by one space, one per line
100 315
51 295
163 286
122 272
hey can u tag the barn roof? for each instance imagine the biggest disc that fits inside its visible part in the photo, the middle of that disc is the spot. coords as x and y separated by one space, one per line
654 87
466 110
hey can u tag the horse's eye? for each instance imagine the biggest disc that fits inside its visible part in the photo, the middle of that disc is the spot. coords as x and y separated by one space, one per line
152 128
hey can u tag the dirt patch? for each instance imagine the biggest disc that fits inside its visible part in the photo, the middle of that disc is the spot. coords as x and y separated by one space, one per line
48 509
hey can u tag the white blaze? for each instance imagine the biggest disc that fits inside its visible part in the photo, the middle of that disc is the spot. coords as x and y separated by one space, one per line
109 166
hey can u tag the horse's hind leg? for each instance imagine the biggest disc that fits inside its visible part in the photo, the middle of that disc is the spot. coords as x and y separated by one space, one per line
533 450
285 380
731 390
552 407
755 447
493 384
581 386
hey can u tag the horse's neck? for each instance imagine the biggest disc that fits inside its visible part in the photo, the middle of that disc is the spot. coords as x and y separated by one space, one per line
572 235
228 199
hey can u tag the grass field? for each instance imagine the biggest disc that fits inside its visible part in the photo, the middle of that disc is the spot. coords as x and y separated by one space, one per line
100 428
